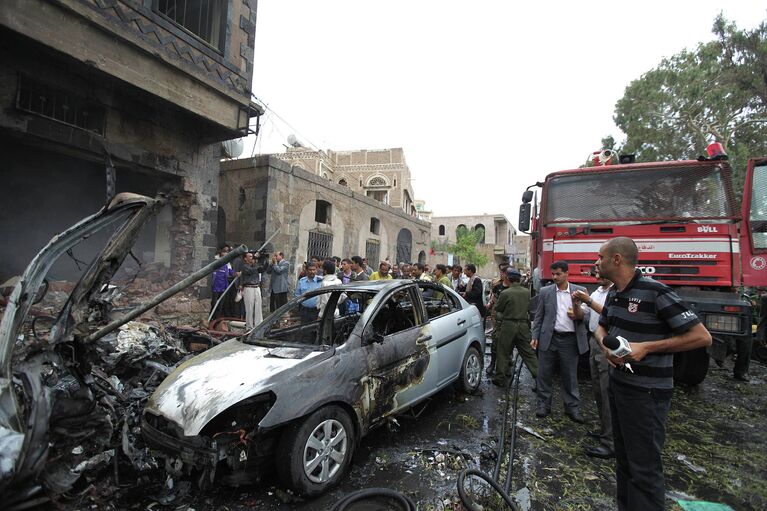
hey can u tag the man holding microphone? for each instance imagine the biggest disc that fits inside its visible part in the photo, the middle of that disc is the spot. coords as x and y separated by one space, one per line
653 324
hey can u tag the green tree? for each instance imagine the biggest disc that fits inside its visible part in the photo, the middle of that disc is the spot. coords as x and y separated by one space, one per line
465 246
716 92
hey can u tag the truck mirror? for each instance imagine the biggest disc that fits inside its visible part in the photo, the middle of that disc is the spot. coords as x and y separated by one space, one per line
527 196
524 216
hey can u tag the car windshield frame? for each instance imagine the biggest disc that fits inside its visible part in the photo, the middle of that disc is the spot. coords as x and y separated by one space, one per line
330 330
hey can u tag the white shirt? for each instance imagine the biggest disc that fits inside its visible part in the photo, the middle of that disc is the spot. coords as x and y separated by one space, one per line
462 279
599 296
322 300
564 302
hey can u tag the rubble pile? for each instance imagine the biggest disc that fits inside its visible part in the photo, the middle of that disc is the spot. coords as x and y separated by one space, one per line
96 448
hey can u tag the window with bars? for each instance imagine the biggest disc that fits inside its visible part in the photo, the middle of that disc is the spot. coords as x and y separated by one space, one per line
48 101
320 245
372 252
205 19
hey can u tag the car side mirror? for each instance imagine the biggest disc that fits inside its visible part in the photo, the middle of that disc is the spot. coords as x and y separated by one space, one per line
524 217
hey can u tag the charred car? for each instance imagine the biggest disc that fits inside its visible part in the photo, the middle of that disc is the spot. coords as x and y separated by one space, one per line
311 380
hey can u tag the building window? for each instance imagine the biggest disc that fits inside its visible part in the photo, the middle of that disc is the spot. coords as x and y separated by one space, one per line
205 19
404 246
320 245
480 227
53 103
375 226
322 212
460 230
372 252
343 182
379 195
441 230
377 181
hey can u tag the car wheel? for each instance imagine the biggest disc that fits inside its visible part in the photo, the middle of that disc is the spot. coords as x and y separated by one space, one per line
314 455
471 371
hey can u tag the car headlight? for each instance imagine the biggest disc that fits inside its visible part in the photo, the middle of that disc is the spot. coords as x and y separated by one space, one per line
723 323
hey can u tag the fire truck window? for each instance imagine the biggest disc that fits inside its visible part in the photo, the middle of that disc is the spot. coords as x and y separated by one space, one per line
655 194
759 207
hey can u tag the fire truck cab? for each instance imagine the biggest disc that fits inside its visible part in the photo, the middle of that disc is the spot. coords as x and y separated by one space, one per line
685 221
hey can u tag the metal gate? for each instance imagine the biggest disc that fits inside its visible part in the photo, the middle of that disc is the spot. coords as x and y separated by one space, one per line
373 252
320 245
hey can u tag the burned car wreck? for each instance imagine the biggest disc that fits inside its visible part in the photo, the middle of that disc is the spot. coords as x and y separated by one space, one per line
301 390
73 383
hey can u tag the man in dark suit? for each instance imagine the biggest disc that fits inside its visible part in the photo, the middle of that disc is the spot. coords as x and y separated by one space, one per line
560 334
279 281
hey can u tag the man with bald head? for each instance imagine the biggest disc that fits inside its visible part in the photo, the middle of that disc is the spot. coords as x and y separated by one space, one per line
652 317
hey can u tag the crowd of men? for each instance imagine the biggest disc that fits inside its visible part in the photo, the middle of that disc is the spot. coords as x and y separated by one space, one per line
236 286
632 392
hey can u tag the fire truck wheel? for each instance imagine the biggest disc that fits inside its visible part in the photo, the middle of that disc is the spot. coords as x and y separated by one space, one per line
691 367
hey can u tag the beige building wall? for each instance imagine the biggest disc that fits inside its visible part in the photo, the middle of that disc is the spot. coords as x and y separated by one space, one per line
497 246
381 174
263 194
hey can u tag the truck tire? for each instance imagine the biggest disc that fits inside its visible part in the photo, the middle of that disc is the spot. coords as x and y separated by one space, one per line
691 367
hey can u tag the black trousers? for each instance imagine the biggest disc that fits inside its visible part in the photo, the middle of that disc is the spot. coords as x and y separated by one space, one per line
639 432
277 300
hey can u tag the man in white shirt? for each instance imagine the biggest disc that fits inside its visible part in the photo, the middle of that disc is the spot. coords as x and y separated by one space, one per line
600 377
560 335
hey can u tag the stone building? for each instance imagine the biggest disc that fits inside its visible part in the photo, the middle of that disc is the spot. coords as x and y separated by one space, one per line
147 86
314 215
380 174
522 252
497 243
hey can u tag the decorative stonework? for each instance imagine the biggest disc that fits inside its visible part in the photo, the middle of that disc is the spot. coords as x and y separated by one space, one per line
175 42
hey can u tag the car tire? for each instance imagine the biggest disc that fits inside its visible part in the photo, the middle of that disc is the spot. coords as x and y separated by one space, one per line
471 371
314 455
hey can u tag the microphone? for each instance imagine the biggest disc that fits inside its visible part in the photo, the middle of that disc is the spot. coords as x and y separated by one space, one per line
618 346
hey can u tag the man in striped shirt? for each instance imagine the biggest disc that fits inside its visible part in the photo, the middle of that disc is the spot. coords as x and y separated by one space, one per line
652 317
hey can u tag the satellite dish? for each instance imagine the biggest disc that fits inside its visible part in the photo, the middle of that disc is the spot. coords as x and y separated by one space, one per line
232 148
293 141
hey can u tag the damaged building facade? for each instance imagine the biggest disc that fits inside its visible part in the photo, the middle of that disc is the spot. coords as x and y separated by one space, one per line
147 86
315 216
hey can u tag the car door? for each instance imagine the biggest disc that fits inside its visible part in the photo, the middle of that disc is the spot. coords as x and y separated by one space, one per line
449 328
395 340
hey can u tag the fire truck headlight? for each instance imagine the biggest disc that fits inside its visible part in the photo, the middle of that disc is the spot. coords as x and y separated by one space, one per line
723 323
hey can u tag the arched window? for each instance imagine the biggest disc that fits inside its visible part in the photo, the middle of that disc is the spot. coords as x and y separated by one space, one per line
441 230
404 246
480 227
461 229
377 181
343 182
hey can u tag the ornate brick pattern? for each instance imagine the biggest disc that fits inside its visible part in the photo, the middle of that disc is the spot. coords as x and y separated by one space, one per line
169 39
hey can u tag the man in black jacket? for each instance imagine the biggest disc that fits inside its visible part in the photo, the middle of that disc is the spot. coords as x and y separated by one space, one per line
474 289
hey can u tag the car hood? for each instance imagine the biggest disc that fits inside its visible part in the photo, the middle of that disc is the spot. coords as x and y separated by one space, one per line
206 385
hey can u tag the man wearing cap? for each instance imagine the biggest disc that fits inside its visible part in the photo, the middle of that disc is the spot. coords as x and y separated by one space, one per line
513 327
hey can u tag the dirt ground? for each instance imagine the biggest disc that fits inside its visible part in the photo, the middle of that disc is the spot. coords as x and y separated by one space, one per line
716 450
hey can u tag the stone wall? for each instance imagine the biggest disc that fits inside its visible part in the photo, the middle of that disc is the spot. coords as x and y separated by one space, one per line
263 194
53 174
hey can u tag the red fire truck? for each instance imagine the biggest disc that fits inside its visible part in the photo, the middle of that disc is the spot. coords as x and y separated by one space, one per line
685 221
